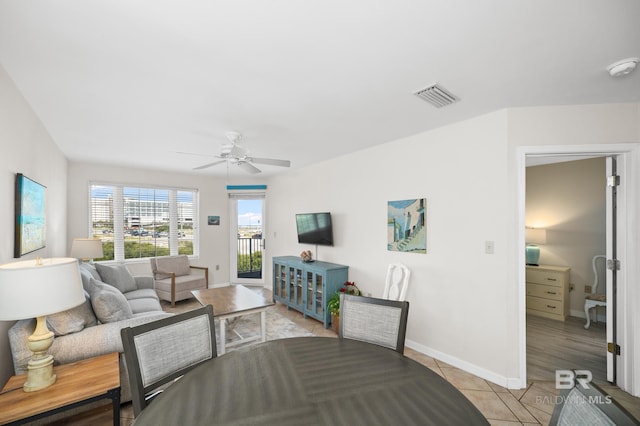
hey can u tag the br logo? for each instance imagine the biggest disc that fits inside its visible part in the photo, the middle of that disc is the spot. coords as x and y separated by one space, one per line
567 379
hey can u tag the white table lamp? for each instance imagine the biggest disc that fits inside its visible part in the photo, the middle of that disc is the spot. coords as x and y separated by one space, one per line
86 249
35 289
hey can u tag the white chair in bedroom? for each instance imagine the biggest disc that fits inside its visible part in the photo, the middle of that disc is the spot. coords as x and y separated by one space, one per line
397 282
594 300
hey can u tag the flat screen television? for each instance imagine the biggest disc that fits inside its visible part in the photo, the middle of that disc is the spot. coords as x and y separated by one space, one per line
315 228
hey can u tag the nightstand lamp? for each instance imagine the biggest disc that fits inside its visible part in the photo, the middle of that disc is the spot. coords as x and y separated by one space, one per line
86 249
533 237
34 289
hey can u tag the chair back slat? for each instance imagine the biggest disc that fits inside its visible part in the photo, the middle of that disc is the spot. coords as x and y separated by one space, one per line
379 321
158 352
175 347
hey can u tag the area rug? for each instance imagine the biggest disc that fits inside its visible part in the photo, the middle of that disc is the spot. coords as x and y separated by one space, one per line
278 327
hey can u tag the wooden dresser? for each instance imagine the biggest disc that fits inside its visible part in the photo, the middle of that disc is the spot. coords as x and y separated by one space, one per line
548 291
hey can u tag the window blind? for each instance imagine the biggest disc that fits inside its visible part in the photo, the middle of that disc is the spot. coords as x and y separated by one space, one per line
136 222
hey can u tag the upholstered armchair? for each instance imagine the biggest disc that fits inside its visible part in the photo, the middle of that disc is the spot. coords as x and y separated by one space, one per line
174 277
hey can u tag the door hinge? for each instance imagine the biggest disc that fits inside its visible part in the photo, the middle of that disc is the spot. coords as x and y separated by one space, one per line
613 180
613 264
613 348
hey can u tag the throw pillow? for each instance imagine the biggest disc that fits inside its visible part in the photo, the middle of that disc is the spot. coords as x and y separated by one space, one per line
109 303
117 276
72 320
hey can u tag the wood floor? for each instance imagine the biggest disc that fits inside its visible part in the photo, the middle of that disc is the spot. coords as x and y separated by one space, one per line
557 345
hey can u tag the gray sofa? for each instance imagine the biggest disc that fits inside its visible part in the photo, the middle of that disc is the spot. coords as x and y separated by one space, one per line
114 299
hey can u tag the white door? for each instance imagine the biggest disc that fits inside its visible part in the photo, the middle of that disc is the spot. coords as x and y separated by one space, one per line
247 238
612 268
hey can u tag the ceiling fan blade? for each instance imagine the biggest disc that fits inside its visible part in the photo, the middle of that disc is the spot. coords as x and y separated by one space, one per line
249 168
270 161
209 165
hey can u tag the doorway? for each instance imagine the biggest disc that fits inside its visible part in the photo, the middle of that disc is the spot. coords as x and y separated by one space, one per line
247 238
566 201
627 155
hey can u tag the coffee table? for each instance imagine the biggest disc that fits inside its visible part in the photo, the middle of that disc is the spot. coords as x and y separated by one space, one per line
231 302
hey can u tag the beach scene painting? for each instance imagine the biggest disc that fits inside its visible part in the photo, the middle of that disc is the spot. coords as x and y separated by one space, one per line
406 225
30 233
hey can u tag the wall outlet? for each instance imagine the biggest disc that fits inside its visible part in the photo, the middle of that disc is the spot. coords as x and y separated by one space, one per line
217 267
489 247
587 289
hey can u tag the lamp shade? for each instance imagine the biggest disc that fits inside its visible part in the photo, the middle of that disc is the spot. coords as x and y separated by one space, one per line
33 288
536 236
86 248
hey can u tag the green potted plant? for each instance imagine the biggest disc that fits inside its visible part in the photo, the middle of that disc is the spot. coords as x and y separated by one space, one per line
333 304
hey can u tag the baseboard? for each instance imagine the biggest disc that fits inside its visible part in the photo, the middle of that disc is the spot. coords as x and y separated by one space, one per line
505 382
580 314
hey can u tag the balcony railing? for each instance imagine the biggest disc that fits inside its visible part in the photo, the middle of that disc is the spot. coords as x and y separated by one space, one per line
249 258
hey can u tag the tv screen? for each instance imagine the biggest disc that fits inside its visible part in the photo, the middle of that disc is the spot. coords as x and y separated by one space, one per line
315 228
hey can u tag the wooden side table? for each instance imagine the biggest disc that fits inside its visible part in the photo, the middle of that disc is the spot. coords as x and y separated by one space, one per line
77 384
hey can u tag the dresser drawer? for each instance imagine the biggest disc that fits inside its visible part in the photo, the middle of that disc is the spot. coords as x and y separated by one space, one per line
545 305
546 277
544 291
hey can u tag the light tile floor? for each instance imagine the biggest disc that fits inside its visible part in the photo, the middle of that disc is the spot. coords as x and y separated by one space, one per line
501 406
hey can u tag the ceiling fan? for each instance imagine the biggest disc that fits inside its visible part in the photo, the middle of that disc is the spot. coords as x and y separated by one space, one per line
235 154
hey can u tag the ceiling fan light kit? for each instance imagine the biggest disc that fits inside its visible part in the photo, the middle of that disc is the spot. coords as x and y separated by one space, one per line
623 67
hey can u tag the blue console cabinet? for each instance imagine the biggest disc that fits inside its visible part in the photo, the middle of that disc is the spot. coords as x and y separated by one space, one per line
307 287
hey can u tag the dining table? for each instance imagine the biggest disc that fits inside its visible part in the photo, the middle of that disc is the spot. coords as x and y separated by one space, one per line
311 381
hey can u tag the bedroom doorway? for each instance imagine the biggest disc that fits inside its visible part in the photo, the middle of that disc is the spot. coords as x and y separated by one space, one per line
626 376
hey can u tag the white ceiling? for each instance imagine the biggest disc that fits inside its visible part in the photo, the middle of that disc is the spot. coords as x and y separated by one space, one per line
131 82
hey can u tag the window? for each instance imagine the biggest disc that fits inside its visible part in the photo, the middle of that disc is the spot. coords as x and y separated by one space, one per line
138 222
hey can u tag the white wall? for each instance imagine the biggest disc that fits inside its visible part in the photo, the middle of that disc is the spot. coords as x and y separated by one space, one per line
458 293
27 148
213 200
464 303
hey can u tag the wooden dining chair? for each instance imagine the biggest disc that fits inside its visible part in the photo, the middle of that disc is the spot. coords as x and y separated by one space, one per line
588 404
161 351
594 299
397 282
379 321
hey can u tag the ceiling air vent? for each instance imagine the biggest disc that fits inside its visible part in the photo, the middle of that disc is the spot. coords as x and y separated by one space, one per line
437 96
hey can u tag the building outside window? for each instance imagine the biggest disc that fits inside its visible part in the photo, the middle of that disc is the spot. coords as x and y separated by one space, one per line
142 222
